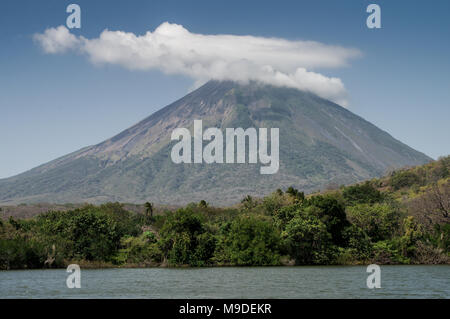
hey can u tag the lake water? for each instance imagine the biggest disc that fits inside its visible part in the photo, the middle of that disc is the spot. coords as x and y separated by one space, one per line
253 282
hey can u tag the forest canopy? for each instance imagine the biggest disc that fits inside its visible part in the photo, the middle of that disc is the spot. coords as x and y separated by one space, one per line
401 218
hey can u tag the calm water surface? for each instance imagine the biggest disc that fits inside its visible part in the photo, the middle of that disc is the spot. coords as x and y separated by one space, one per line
271 282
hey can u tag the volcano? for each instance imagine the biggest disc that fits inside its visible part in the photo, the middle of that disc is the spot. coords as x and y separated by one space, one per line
320 144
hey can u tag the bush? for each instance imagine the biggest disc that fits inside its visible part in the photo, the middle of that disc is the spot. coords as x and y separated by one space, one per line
299 196
388 252
284 215
248 240
307 240
184 240
426 253
403 179
88 233
142 249
272 203
358 242
204 250
127 223
362 194
331 212
19 253
379 221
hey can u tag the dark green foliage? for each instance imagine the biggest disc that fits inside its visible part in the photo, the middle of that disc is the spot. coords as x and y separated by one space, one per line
249 240
273 203
14 223
388 252
403 179
204 250
353 225
138 250
90 233
126 222
203 204
380 221
284 215
19 253
295 193
307 240
364 193
148 212
248 202
184 239
331 212
359 243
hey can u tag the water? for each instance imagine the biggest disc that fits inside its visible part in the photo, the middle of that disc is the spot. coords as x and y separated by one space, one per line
253 282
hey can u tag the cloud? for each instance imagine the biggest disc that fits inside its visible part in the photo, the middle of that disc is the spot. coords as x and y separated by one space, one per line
172 49
57 40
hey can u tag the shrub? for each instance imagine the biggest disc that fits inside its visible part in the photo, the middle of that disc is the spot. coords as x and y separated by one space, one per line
18 253
379 221
142 249
331 212
184 240
403 179
362 194
284 215
272 203
249 240
88 233
358 243
307 240
388 252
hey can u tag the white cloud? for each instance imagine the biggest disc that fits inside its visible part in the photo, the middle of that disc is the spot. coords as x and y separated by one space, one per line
174 50
57 40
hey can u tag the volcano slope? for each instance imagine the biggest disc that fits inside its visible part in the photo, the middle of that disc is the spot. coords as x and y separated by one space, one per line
320 143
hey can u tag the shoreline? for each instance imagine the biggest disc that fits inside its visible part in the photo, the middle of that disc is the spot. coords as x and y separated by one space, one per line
134 266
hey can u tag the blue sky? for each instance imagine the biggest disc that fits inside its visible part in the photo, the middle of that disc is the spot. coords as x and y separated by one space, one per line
51 105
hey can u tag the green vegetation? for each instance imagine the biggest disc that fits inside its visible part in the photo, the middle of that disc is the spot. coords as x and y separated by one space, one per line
399 219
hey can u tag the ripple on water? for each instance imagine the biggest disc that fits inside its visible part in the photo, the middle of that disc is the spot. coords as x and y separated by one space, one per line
251 282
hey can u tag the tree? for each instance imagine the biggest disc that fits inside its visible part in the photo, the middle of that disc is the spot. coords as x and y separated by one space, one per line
362 193
404 178
307 240
439 198
249 240
412 233
203 204
300 196
148 211
285 214
331 212
432 206
358 242
248 202
379 221
184 239
89 233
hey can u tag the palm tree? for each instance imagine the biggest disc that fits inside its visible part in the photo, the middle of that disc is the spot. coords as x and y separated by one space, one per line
248 202
148 211
203 204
